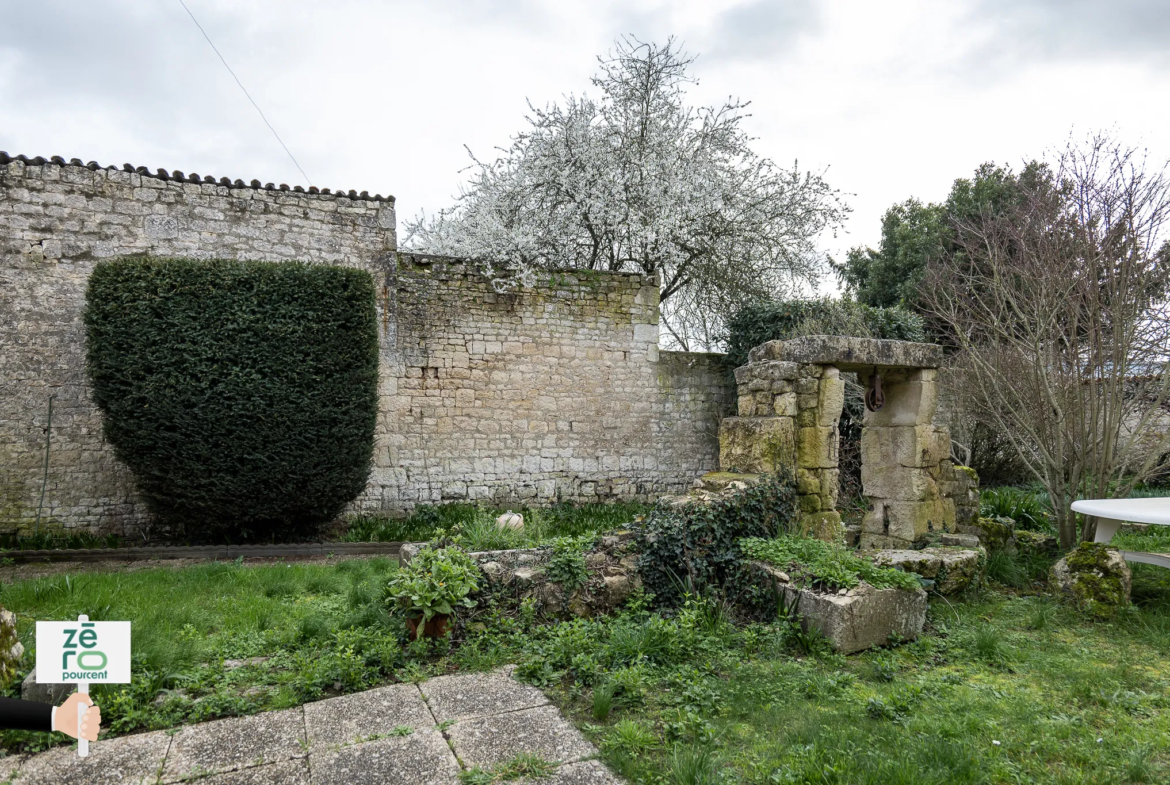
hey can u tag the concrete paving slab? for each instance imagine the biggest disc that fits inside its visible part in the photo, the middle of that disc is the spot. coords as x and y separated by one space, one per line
289 772
8 766
236 743
587 772
129 760
358 716
471 695
422 758
542 731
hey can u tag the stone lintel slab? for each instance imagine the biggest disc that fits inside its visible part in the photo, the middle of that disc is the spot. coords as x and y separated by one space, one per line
766 370
350 718
850 354
861 618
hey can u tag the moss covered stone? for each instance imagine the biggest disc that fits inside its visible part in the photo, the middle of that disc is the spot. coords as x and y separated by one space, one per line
996 533
1094 578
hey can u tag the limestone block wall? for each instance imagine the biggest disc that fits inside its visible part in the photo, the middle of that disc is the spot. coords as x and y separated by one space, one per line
788 418
558 392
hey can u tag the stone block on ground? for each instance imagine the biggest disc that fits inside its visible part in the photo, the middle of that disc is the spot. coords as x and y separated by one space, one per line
44 693
996 533
236 743
955 540
951 569
422 758
489 741
351 718
1094 578
907 522
466 696
756 445
718 482
128 760
1035 543
861 618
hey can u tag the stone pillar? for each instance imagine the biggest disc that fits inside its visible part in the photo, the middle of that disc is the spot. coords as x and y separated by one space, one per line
905 463
788 419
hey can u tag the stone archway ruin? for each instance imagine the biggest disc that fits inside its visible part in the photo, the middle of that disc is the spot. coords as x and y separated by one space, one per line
791 396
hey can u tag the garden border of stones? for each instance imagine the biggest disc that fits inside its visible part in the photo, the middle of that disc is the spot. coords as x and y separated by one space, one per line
276 550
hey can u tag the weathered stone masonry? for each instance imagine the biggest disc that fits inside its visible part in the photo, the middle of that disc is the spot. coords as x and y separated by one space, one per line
554 392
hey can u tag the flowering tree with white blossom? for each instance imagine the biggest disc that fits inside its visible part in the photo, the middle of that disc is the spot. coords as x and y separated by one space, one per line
638 181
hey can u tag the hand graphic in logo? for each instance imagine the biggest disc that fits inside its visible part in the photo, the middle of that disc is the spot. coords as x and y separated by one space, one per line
65 717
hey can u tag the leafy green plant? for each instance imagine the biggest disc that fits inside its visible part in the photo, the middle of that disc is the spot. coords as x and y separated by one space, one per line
629 737
566 567
696 548
526 765
436 581
1023 507
825 565
603 700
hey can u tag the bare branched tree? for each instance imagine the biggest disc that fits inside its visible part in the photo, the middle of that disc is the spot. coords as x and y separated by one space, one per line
639 181
1059 308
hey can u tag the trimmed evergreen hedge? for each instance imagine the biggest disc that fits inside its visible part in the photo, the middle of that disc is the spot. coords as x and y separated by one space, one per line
242 395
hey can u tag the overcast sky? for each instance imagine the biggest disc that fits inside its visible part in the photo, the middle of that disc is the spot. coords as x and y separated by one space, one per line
894 99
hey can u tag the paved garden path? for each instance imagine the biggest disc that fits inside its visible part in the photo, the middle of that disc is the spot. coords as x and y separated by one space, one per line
400 735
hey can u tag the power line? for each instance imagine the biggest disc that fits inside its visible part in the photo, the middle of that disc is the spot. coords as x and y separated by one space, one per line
241 84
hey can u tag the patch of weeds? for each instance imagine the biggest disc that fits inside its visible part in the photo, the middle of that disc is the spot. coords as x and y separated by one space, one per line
692 766
1139 764
603 695
1041 616
987 644
476 776
526 765
630 738
826 685
566 567
825 565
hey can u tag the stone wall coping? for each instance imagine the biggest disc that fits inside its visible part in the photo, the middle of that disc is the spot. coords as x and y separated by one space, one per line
850 354
177 176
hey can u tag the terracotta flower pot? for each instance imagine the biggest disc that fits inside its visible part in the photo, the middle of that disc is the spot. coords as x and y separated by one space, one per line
434 627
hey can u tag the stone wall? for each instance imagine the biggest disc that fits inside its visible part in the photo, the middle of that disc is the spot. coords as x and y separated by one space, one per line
554 392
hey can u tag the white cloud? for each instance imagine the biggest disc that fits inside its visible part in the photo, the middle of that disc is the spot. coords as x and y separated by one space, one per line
896 99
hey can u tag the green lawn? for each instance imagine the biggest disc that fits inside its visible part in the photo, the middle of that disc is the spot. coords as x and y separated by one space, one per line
1003 688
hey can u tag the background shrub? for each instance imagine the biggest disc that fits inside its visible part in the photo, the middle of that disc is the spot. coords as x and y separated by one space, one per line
242 395
696 547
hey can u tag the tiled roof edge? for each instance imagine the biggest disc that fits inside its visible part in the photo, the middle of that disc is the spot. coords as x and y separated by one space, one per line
177 176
